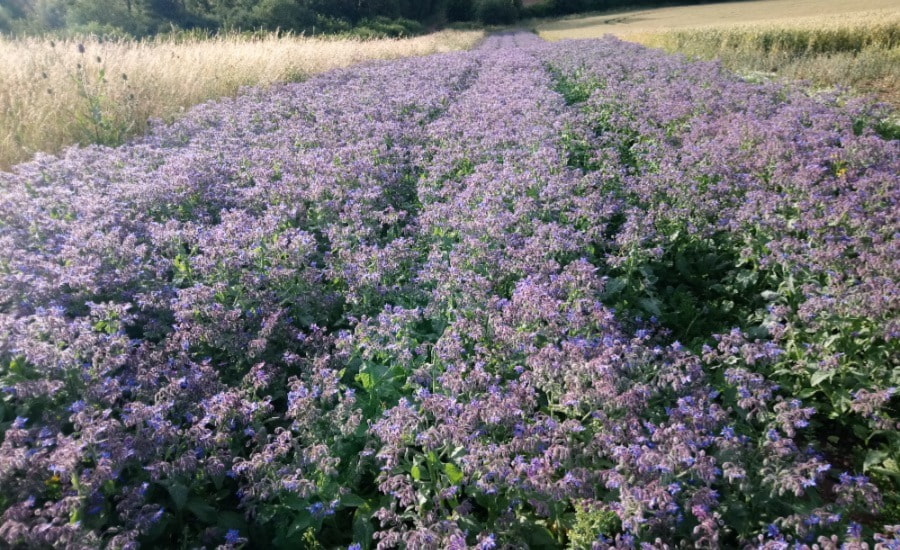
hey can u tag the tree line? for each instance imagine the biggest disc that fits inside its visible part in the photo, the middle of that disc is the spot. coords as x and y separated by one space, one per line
367 17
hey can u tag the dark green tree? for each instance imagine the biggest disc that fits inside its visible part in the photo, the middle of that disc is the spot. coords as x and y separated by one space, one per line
498 12
283 14
460 10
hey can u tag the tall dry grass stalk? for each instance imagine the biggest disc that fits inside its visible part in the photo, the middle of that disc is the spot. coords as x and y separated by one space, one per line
53 94
861 50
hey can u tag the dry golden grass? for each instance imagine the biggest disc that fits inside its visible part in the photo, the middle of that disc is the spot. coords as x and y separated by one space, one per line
854 44
52 94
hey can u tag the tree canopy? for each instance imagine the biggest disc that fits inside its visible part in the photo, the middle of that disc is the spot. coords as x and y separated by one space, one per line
368 17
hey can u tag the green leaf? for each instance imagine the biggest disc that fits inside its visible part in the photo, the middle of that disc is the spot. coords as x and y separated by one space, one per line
76 483
682 264
453 473
416 472
366 381
890 470
746 278
648 274
806 393
231 520
538 536
650 305
820 376
294 502
17 365
301 523
614 286
353 501
874 458
860 431
457 452
363 530
202 510
179 494
159 528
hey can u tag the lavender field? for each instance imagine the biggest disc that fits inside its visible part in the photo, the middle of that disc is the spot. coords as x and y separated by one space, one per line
569 295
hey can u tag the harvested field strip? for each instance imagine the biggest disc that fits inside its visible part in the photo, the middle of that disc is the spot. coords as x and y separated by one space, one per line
722 14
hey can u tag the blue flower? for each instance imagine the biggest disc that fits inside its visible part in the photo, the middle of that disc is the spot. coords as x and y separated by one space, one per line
232 536
316 508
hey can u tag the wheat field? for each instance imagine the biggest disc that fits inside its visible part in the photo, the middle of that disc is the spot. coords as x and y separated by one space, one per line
56 93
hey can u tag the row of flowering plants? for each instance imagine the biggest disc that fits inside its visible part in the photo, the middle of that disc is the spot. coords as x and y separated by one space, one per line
572 295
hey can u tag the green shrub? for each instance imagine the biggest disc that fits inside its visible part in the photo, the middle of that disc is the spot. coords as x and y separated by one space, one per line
85 16
460 10
325 24
385 27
